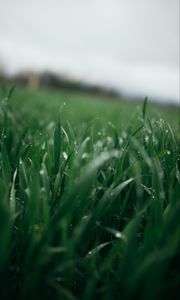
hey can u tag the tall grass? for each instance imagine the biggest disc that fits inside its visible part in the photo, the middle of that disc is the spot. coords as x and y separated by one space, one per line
87 214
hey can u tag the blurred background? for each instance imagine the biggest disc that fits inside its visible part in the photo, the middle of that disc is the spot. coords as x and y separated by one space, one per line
126 47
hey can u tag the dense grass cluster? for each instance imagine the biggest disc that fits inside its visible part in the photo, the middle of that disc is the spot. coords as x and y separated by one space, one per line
89 213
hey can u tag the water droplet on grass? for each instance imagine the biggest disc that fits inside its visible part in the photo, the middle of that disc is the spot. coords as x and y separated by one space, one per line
41 172
118 235
65 155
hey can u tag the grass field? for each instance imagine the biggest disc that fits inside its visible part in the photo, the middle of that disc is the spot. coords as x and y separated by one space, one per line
45 104
89 198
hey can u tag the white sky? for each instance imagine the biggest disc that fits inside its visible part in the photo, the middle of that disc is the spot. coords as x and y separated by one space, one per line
132 45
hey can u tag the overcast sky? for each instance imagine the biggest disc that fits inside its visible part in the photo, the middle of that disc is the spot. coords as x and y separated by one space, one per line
132 45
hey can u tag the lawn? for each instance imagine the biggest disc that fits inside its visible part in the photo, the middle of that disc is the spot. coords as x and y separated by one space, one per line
89 197
81 107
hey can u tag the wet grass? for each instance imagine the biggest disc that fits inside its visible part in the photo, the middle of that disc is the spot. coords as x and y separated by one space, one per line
89 199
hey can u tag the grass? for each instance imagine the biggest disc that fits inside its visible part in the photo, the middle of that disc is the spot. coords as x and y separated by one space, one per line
45 104
89 199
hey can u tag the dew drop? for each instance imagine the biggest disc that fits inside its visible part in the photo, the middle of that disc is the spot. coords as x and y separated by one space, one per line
118 235
65 155
41 172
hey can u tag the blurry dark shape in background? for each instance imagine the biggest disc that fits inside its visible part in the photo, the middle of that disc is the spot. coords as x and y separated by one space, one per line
51 80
